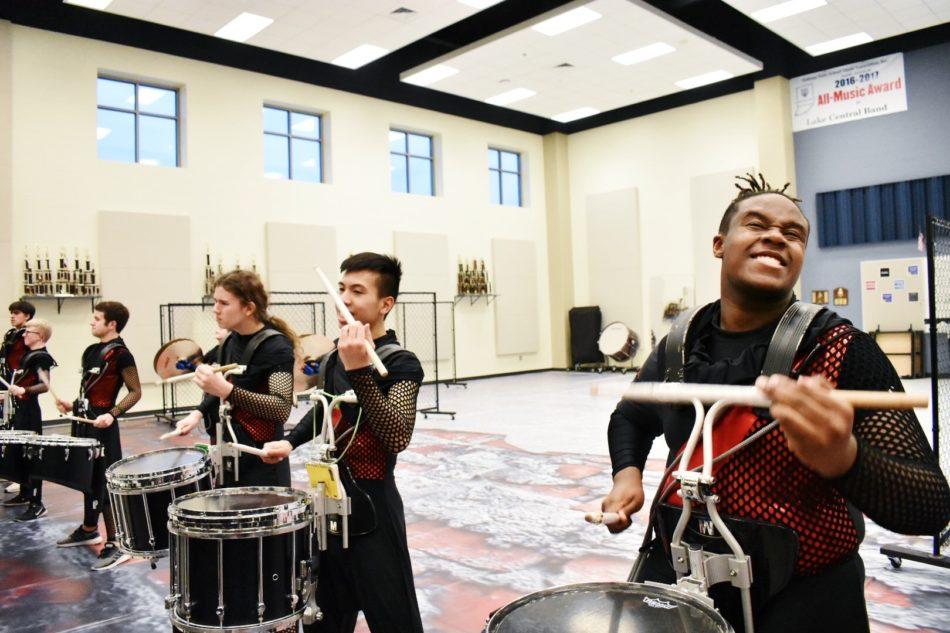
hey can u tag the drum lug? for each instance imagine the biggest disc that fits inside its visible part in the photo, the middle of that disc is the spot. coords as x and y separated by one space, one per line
66 453
260 611
171 601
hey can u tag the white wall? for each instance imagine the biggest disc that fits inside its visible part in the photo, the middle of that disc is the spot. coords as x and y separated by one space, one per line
59 185
660 155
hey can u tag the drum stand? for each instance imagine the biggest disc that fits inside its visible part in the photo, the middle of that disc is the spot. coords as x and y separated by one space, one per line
327 491
228 452
696 569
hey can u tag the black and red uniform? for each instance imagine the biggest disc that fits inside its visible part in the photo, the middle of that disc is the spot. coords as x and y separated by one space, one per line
260 402
106 368
804 530
374 574
11 352
26 408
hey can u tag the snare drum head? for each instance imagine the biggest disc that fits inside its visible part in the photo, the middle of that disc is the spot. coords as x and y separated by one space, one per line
161 461
613 338
607 608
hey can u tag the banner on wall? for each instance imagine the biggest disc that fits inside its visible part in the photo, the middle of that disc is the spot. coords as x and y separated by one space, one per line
849 93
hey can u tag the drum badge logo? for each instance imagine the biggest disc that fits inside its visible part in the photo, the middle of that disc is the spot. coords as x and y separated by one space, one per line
656 603
707 528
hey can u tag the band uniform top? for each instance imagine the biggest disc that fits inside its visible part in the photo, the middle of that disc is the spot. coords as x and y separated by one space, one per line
260 402
11 351
26 408
895 479
106 367
375 574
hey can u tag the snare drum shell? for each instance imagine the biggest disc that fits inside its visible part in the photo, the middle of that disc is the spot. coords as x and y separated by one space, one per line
147 536
12 444
608 607
64 460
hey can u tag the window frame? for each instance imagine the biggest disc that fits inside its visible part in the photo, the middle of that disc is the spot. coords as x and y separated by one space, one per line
499 172
320 139
408 154
137 113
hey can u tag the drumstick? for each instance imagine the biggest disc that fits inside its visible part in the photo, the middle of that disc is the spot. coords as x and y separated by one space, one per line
45 380
183 377
377 363
170 434
244 448
600 518
682 393
77 418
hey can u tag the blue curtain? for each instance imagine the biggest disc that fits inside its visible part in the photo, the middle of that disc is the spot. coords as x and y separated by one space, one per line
880 213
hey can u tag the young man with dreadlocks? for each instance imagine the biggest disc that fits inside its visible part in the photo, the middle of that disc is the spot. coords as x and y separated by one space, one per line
107 366
374 574
796 495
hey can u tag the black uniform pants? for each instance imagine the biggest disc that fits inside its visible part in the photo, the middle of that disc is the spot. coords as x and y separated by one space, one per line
27 417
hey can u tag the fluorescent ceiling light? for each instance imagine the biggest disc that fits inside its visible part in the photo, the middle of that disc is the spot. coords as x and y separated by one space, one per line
836 45
566 21
431 75
573 115
643 54
244 27
102 132
360 56
480 4
702 80
510 96
90 4
785 9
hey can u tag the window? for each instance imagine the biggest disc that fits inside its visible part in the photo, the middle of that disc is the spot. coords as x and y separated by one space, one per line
411 166
293 145
137 123
504 175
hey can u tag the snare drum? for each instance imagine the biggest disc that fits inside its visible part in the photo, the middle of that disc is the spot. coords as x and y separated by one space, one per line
142 486
65 460
608 607
238 557
618 342
12 444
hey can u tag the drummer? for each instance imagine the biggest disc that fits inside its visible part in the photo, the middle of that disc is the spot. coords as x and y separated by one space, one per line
106 367
812 475
29 381
262 396
374 575
12 349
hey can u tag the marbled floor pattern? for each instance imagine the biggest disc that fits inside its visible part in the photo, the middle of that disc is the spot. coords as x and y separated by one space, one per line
494 502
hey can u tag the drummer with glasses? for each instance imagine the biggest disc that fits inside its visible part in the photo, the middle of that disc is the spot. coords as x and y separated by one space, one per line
107 367
29 381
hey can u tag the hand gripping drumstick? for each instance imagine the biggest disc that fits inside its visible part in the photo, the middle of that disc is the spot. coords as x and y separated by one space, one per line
244 448
184 377
378 364
77 418
600 518
683 393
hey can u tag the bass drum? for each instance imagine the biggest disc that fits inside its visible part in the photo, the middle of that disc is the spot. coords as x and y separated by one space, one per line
608 607
618 342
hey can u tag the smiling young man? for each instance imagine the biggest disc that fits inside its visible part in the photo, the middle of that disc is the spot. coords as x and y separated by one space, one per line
107 366
374 574
796 494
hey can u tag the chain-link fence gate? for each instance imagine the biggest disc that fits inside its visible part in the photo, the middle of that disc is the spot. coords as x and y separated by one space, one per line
938 280
196 321
423 325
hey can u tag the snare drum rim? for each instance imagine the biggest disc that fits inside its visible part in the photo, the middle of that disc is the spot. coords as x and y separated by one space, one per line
14 437
239 524
67 441
159 480
262 627
662 591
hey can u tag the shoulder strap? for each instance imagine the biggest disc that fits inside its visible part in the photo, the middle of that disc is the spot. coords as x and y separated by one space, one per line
255 342
676 342
788 336
107 349
36 353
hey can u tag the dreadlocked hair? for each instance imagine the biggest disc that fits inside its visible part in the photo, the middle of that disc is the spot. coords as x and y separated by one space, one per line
751 186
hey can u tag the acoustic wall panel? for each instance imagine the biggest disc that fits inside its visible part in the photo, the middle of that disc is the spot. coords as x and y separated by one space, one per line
425 263
145 261
613 253
516 307
292 252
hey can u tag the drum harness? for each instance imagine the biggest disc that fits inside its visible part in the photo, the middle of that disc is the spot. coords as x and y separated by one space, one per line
93 375
696 569
21 372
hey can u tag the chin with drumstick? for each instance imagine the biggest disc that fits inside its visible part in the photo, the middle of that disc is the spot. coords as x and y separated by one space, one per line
794 456
261 395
